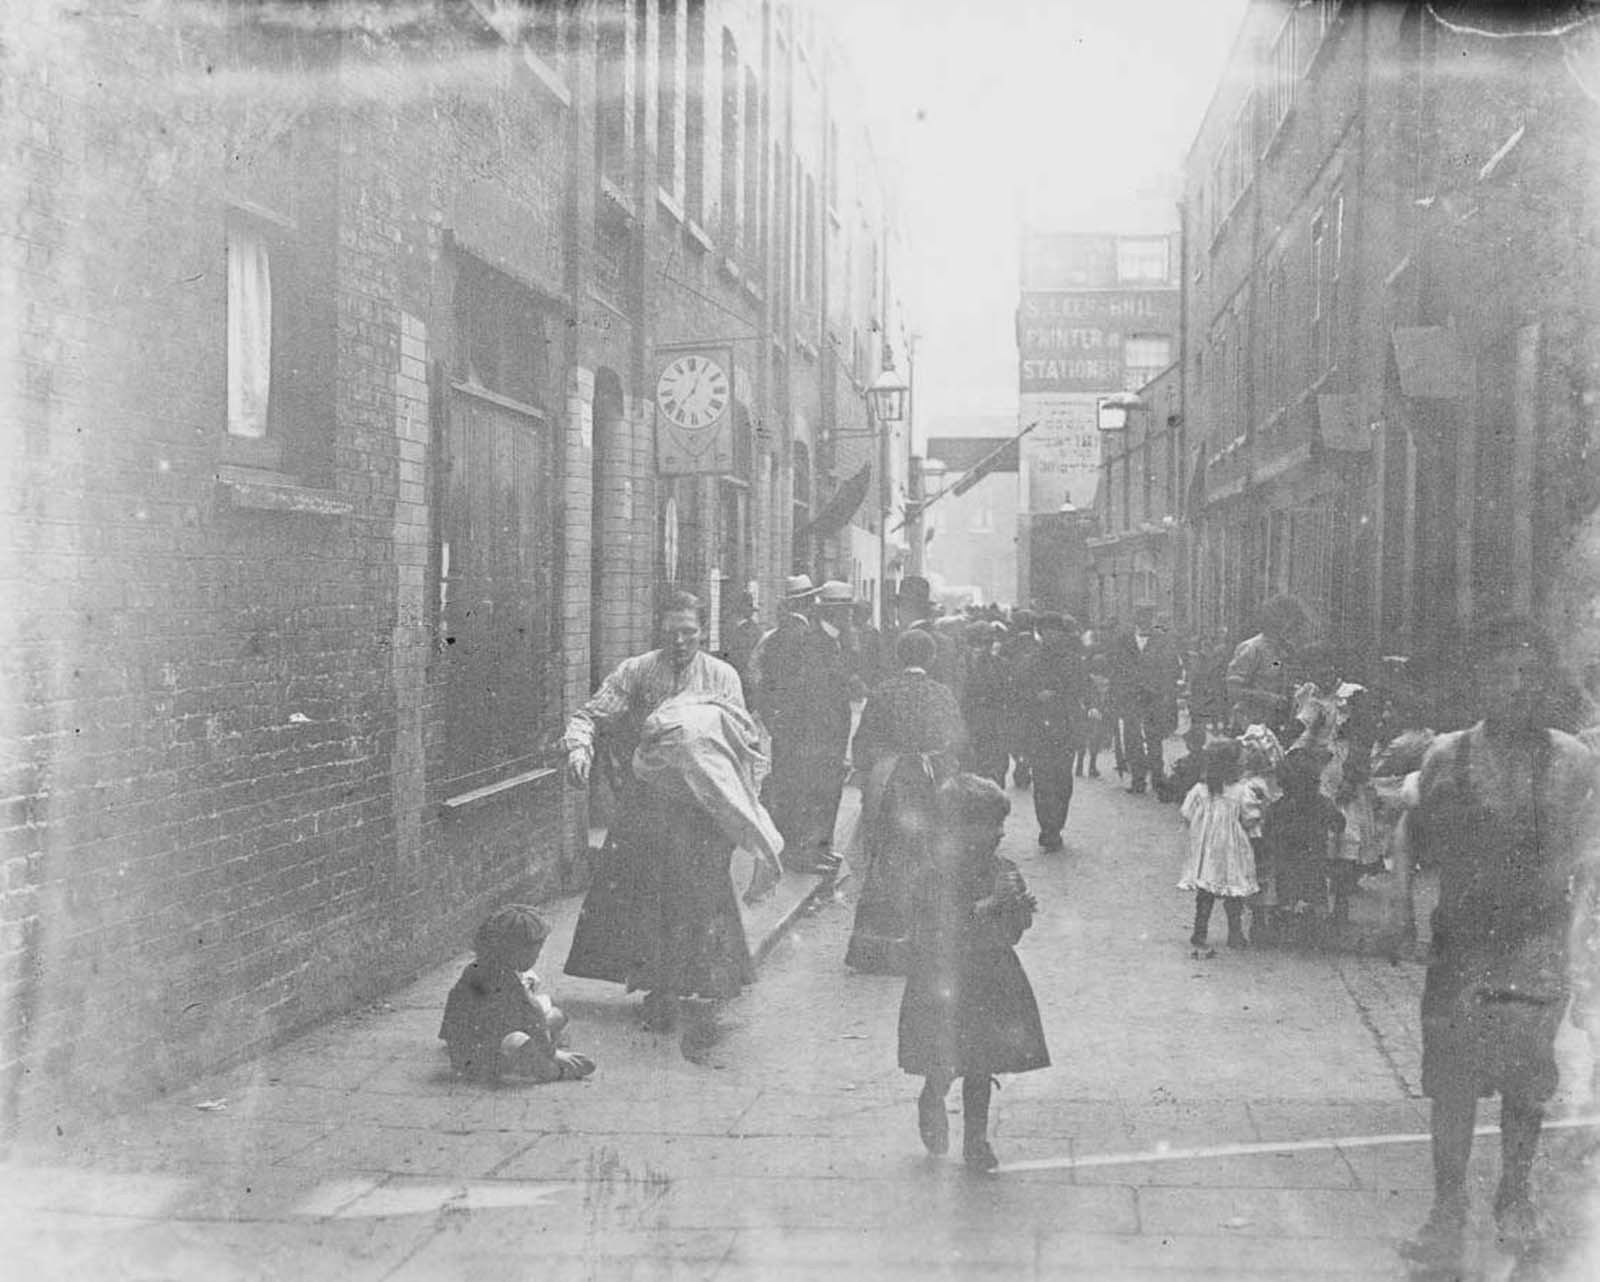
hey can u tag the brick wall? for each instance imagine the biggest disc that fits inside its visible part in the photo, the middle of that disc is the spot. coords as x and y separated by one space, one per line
225 697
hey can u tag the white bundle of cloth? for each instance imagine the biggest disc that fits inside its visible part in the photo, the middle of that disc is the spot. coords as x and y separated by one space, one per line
708 752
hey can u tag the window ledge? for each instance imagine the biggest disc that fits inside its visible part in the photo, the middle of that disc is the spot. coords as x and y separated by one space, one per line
481 393
618 198
730 269
667 201
1282 128
754 290
260 490
697 235
554 82
464 800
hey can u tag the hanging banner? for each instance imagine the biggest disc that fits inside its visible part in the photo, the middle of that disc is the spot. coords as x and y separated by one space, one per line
694 410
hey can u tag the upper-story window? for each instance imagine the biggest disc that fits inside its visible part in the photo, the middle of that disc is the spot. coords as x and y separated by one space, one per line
613 119
502 345
732 148
1145 260
754 211
667 97
1143 357
1284 71
1319 286
694 113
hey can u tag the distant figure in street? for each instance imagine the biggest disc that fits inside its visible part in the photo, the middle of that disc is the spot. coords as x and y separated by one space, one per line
660 913
968 1010
1221 863
1260 676
1054 693
869 661
908 743
802 694
1016 653
1144 685
1300 832
913 608
742 633
1189 769
984 705
1099 714
1505 811
496 1021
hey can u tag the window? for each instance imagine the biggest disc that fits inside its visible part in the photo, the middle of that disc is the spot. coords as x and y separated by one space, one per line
1334 253
1327 15
667 97
732 148
808 281
830 169
278 342
1284 72
1143 357
501 342
612 117
250 317
1319 267
694 115
755 238
1142 261
1276 377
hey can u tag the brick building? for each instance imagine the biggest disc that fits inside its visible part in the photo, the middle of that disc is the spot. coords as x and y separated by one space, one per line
331 336
1139 547
1389 320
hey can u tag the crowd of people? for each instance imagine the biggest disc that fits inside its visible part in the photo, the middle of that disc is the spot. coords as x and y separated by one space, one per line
1300 781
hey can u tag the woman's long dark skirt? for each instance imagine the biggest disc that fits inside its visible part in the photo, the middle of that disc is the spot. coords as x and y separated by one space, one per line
661 913
901 823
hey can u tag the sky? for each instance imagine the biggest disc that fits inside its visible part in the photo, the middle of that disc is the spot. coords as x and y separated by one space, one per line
999 113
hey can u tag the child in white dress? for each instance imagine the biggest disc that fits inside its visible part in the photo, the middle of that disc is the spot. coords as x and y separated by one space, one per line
1220 811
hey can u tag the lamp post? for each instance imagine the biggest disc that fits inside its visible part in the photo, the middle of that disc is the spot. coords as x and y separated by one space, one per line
886 406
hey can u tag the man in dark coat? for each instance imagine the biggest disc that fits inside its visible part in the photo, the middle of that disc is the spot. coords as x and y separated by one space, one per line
913 608
1016 652
1053 692
984 704
1144 686
803 697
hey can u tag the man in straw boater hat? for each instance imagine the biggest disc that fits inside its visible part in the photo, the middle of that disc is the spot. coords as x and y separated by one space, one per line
802 694
1506 813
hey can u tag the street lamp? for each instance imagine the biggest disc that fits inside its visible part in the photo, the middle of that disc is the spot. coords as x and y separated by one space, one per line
888 395
886 405
1111 414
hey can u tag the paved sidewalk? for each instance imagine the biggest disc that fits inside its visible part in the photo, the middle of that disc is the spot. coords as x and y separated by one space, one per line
342 1152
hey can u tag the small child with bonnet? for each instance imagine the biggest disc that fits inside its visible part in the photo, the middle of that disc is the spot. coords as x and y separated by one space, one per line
496 1021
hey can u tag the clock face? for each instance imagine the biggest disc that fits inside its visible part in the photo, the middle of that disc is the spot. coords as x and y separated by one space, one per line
693 391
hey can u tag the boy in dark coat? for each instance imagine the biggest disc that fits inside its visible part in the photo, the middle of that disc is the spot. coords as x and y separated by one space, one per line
496 1022
968 1009
1296 837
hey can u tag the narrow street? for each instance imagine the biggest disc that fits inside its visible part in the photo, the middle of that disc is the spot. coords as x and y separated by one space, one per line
1253 1115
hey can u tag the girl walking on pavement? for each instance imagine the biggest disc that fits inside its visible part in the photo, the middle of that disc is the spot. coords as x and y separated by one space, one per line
968 1009
1221 863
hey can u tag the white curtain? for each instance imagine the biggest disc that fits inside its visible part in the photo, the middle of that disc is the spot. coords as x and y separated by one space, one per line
249 332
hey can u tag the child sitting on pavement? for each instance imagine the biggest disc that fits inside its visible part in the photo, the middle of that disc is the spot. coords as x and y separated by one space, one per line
496 1022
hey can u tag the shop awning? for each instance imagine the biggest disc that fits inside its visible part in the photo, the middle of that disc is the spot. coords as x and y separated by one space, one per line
838 510
1432 362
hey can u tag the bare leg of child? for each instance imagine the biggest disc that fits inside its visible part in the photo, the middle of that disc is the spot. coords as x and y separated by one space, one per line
1233 906
1204 901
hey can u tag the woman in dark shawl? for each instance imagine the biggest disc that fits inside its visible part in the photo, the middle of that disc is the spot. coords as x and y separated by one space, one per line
908 743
